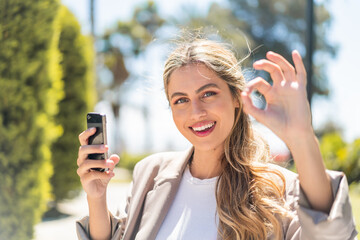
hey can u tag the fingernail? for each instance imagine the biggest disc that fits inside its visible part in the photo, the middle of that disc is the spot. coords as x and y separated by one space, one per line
258 62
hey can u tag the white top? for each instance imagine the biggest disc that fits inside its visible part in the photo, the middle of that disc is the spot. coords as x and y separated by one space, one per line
192 214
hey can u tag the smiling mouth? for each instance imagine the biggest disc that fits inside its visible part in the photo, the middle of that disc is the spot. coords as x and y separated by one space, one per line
204 130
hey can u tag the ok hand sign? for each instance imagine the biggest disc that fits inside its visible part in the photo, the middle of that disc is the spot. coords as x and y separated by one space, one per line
287 112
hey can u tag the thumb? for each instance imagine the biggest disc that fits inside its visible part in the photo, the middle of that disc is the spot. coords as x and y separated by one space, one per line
115 158
249 107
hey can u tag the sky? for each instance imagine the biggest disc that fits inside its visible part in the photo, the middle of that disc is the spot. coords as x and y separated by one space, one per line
341 107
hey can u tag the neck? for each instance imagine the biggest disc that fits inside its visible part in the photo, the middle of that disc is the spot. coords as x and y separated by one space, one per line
206 164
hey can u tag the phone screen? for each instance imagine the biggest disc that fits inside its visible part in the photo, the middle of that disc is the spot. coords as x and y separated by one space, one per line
98 137
97 121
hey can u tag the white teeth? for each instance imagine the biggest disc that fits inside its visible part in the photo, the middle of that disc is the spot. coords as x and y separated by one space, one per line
202 128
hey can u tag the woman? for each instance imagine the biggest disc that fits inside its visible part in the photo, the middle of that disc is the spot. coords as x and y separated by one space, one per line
222 188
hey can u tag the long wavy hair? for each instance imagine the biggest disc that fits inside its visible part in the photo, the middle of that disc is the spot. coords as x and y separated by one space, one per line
249 194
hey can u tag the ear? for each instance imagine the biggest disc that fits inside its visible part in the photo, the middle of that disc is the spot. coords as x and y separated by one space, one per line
237 99
236 103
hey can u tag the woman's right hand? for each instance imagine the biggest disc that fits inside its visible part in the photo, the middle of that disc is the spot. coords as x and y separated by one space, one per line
94 182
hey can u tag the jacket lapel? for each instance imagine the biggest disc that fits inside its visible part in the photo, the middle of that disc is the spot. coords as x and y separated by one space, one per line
158 200
153 197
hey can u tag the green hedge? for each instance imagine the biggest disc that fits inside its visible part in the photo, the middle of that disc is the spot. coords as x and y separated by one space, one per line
78 78
342 156
128 160
30 89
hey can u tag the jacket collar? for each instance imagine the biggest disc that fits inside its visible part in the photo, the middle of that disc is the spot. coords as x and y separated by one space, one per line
175 168
160 198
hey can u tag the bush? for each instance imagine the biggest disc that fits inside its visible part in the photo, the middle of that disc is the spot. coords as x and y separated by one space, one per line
333 149
353 160
30 89
341 156
128 160
78 77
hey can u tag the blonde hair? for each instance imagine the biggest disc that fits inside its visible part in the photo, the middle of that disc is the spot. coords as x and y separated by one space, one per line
249 195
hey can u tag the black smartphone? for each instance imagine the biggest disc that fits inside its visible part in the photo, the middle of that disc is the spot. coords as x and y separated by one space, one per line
98 121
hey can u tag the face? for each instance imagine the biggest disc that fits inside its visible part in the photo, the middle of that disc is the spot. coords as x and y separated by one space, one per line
202 106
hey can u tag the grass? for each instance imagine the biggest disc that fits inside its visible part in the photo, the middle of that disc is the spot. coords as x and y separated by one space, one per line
355 203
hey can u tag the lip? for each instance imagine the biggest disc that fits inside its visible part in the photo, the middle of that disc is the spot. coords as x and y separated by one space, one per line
200 124
203 133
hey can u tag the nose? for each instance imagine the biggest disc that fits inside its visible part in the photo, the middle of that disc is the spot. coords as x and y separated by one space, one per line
198 110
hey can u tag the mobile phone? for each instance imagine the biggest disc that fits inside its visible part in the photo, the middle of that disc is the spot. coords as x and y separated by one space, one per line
98 121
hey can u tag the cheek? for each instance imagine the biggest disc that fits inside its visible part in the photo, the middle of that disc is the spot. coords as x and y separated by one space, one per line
226 108
228 114
178 118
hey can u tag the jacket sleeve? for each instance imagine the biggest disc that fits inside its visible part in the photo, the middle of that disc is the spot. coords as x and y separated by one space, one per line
311 224
118 223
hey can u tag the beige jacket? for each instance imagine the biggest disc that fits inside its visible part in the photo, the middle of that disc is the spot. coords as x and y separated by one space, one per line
156 180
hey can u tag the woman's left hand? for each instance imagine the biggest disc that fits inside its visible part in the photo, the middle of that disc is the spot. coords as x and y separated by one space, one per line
287 112
288 115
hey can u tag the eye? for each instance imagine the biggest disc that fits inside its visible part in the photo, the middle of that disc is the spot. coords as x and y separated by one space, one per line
181 100
209 94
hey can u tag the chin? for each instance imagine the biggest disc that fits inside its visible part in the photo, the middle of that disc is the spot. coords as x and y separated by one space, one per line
207 146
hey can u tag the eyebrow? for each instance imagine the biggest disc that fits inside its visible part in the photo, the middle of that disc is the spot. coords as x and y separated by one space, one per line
209 85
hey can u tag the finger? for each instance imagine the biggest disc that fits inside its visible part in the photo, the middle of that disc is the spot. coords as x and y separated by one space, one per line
272 68
249 108
112 161
96 175
115 158
287 68
89 164
84 136
85 150
299 66
259 84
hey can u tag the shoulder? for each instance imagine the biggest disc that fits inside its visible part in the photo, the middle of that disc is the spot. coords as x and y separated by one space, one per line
291 178
156 160
288 175
280 176
161 162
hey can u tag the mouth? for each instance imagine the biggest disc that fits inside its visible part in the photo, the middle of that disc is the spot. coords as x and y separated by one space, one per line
202 130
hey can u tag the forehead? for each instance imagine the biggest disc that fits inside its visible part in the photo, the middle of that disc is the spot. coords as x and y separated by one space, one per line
191 77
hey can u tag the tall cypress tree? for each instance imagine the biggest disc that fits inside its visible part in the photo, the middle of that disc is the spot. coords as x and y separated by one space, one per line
30 89
77 66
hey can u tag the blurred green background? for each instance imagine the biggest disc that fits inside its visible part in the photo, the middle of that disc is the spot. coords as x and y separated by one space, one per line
56 65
